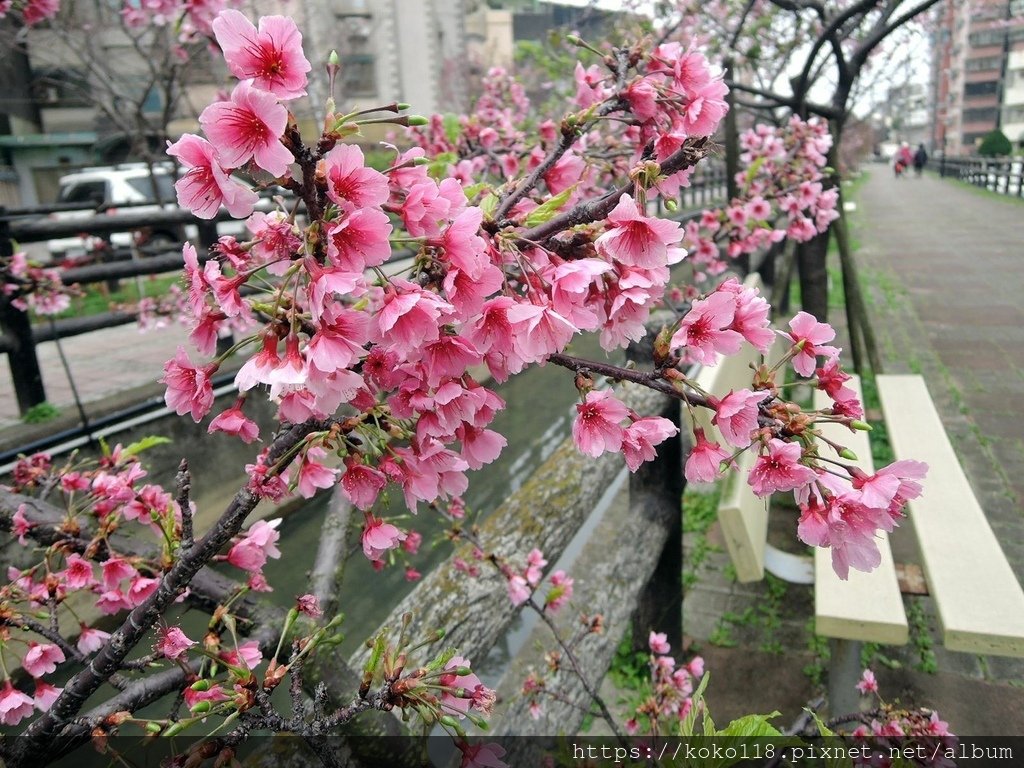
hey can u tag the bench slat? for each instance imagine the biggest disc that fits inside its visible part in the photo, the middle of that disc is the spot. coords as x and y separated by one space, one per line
743 518
868 606
980 602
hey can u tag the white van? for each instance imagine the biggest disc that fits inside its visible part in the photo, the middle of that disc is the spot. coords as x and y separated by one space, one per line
123 185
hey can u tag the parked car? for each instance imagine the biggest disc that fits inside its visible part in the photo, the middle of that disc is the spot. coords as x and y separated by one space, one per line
110 188
128 186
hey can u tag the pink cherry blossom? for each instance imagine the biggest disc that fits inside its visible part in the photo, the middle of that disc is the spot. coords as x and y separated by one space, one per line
271 56
15 706
379 537
234 422
736 416
779 469
805 328
518 590
481 755
635 239
313 474
309 605
362 483
560 592
705 459
248 127
42 659
172 642
91 640
641 436
206 186
868 683
705 331
597 427
189 389
250 553
658 643
45 695
350 183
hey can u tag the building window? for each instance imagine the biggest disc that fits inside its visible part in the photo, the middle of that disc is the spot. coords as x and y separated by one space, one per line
986 88
982 115
983 64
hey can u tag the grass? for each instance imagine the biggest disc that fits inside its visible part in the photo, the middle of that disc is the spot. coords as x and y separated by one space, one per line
1011 198
700 511
97 298
41 413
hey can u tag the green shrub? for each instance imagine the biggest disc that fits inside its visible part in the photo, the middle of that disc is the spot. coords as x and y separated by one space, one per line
995 144
38 414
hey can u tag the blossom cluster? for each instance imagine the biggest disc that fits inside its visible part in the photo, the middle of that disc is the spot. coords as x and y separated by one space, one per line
672 688
402 352
782 195
30 286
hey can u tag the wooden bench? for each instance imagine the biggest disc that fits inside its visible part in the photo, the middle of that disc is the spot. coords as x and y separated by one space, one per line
980 603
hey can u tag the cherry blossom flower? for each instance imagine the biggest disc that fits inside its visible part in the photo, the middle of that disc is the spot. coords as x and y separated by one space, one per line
350 183
597 427
805 328
248 127
309 605
560 592
379 537
250 553
658 643
641 436
867 683
705 331
361 483
15 706
736 416
189 389
91 640
206 186
45 695
481 755
703 465
172 642
779 469
42 658
635 239
271 56
234 422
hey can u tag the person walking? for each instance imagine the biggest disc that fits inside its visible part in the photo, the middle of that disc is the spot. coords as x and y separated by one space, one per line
904 157
920 158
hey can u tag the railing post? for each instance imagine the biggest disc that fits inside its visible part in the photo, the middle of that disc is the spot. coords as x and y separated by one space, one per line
660 482
26 374
660 605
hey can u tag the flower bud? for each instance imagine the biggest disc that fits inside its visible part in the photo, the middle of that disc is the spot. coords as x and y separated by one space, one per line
863 426
201 685
333 59
418 120
153 727
174 729
201 708
847 454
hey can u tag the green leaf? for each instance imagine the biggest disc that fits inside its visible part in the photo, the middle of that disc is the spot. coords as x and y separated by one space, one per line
754 168
752 726
547 210
134 449
489 205
452 130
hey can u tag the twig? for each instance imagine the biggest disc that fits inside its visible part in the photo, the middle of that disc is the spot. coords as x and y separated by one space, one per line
184 482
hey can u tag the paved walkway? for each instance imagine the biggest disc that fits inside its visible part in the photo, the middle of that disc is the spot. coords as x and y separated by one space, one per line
945 266
103 363
944 270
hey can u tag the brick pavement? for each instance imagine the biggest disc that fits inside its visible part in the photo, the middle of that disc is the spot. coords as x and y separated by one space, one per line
103 363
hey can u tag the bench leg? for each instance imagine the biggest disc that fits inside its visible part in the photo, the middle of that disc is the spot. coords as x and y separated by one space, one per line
844 672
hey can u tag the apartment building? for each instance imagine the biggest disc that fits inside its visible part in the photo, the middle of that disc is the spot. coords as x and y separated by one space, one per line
977 73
